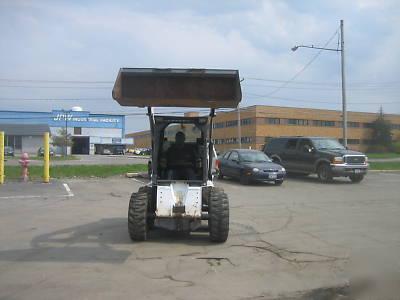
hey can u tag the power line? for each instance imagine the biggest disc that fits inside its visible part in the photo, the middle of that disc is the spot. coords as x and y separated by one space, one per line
304 68
54 81
312 101
322 88
57 87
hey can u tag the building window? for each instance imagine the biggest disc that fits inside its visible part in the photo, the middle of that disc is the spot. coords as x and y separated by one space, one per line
367 142
245 122
14 141
218 141
267 138
218 125
299 122
246 140
353 124
231 141
396 126
367 125
273 121
323 123
231 123
353 141
78 130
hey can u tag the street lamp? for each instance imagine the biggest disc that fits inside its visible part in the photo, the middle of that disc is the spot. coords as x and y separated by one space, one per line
341 50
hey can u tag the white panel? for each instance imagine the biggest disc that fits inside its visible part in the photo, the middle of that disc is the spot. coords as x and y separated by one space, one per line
178 194
103 132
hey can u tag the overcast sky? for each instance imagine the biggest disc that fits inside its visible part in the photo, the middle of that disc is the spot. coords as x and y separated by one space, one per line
86 42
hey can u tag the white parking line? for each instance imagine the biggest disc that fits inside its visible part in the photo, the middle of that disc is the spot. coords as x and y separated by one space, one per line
70 194
20 197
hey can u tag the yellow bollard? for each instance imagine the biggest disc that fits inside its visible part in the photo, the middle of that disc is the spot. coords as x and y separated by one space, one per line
1 157
46 158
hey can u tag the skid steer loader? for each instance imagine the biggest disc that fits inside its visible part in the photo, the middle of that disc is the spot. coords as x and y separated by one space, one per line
171 200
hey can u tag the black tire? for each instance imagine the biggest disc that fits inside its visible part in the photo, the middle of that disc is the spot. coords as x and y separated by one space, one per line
324 173
220 175
137 215
356 178
218 213
278 182
151 206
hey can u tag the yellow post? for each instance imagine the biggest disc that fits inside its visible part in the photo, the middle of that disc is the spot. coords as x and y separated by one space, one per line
1 157
46 158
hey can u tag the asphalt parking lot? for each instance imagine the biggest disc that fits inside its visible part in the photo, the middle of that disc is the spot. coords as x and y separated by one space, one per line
302 240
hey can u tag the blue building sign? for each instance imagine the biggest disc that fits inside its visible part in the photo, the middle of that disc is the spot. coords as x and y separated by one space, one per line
61 118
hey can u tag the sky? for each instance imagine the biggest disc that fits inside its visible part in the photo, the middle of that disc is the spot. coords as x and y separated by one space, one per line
60 54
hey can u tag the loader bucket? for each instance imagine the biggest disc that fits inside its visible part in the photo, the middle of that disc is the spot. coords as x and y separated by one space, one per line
177 88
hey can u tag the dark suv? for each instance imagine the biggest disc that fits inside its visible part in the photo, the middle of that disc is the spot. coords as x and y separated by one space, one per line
324 156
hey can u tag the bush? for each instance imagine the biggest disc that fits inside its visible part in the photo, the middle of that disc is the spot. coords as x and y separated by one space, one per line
396 147
378 149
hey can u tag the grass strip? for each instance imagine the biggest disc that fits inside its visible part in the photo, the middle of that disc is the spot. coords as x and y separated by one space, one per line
392 165
383 155
58 158
81 171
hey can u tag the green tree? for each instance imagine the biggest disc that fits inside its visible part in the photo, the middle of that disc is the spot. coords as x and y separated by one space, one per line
63 138
381 133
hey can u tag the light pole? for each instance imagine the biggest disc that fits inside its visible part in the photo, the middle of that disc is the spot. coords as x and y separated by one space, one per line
341 50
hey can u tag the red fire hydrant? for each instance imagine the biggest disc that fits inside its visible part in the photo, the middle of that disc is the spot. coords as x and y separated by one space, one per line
24 162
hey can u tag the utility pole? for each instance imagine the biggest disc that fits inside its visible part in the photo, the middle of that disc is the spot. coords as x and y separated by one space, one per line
239 128
344 104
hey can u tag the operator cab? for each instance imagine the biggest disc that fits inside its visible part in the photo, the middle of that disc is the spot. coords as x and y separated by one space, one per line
180 151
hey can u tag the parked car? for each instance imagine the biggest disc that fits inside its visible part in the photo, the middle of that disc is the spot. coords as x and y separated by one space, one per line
106 151
145 152
250 165
8 151
119 151
322 155
41 151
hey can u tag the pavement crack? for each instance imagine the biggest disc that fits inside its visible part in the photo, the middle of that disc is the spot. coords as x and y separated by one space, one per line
218 259
170 277
285 253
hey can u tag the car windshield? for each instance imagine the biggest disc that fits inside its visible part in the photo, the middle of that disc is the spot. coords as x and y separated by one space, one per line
327 144
254 157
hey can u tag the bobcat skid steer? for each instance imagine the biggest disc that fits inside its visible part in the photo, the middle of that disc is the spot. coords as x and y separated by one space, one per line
179 204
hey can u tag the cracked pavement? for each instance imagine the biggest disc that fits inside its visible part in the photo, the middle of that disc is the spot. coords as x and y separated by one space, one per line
302 238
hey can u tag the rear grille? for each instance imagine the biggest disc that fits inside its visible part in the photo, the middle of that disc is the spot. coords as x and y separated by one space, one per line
354 160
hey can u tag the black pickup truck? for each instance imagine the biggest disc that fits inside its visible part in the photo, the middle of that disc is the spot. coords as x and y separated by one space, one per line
324 156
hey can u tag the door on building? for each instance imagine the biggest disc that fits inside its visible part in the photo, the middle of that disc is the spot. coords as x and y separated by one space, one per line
80 145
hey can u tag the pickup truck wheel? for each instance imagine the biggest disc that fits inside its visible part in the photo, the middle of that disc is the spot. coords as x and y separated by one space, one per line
324 173
220 175
356 178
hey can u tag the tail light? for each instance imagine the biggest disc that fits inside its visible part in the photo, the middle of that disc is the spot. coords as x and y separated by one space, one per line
217 163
